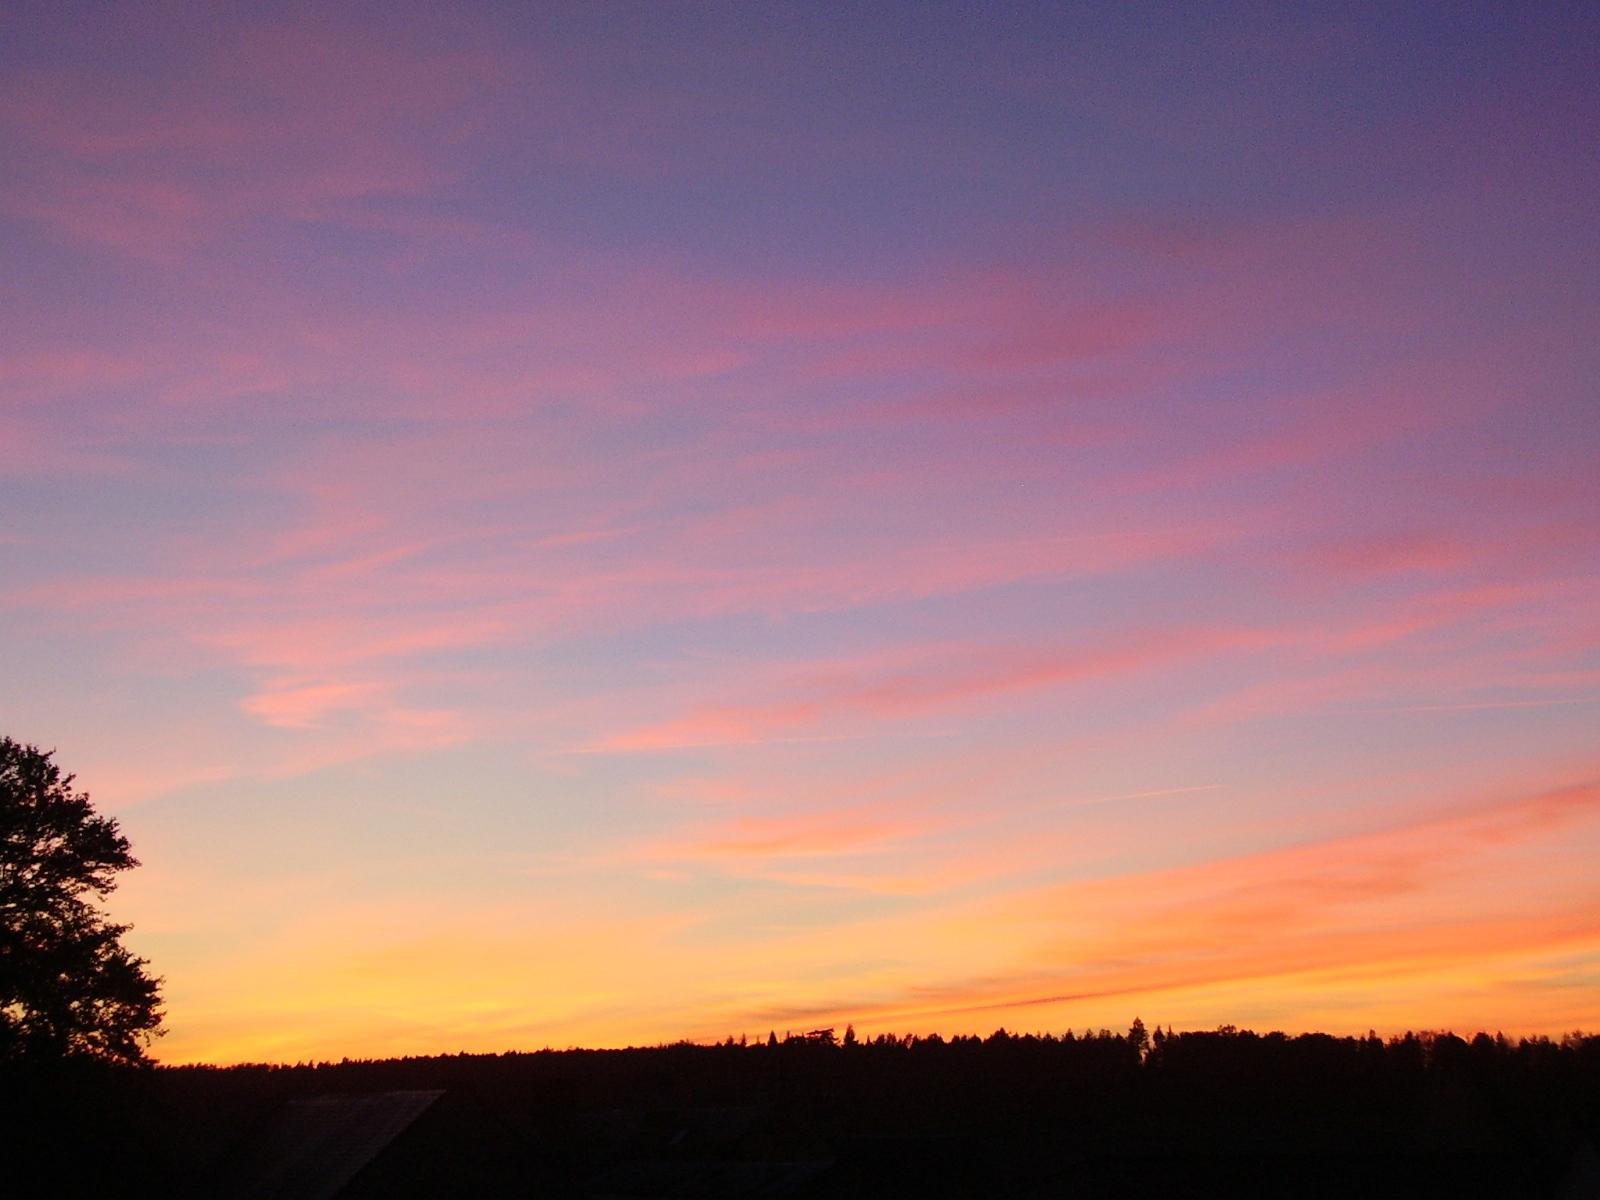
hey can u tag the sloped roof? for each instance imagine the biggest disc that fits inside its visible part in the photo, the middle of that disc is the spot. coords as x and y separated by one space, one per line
311 1147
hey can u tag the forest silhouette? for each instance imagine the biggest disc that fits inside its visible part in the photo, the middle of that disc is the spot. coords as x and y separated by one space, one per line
1221 1113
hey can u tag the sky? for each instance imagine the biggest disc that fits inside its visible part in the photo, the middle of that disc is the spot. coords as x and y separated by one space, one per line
601 524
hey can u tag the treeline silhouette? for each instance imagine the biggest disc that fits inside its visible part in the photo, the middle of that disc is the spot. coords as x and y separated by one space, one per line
1225 1112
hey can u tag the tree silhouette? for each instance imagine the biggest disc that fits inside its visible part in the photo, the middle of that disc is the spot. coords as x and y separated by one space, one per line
68 987
1138 1038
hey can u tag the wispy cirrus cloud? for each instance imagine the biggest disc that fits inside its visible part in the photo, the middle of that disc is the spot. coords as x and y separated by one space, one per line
935 681
390 408
1265 920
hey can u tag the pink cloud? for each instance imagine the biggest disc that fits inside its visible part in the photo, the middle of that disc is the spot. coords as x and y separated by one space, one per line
1375 554
266 121
932 682
814 835
303 705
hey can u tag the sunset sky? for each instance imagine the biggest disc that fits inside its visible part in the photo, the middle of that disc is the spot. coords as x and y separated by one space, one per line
601 524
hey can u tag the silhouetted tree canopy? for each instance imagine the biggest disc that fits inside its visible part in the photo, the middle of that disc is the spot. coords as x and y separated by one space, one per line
68 987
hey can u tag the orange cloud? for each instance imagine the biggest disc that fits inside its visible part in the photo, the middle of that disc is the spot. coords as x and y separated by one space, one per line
1411 904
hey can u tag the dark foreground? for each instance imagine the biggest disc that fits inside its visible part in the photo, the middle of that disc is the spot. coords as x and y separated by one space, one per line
1215 1114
